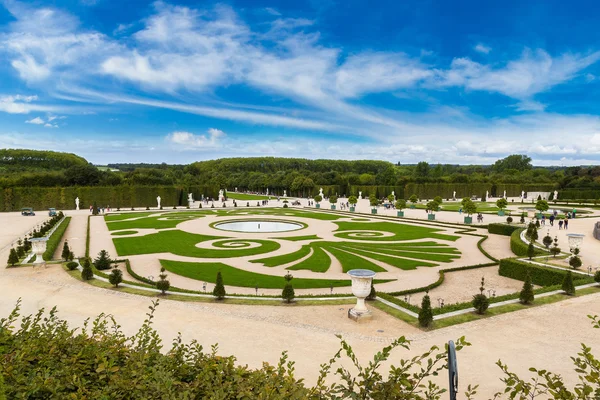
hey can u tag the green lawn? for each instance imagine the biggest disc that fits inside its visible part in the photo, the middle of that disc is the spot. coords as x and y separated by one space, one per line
400 231
123 233
120 217
236 277
354 255
184 244
161 222
248 197
300 238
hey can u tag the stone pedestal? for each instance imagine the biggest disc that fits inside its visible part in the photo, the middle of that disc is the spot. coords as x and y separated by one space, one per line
38 247
361 288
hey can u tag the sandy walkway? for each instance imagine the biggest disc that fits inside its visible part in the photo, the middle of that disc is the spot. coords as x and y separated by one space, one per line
259 333
75 234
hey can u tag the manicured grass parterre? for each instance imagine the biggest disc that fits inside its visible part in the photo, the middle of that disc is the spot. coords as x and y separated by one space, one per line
121 217
357 255
236 277
300 238
249 197
123 233
184 244
159 222
352 230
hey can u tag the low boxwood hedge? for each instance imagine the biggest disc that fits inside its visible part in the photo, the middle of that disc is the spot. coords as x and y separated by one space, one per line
519 248
54 240
541 276
502 229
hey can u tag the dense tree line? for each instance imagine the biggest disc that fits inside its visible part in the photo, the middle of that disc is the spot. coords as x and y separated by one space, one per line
27 168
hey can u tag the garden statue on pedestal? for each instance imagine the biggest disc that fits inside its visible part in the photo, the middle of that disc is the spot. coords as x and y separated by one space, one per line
221 195
285 193
158 201
556 195
454 195
77 203
321 192
504 195
360 195
487 194
522 194
267 191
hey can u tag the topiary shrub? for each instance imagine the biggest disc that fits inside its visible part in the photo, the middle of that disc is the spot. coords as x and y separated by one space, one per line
426 313
115 277
163 284
219 290
526 296
103 261
13 257
373 294
509 220
575 262
87 273
530 250
480 301
567 285
65 251
72 266
597 276
285 206
288 290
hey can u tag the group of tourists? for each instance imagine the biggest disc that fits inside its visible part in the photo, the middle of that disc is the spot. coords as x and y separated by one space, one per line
101 210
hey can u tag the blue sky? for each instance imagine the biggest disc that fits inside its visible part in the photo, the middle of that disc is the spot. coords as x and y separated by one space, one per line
443 81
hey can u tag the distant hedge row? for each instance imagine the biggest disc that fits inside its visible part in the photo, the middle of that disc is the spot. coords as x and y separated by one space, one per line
541 276
573 194
446 190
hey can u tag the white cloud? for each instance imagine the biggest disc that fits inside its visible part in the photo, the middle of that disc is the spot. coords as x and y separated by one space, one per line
195 142
482 48
36 121
18 104
48 125
272 11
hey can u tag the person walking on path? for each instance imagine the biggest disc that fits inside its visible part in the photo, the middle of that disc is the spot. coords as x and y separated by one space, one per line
560 224
551 220
566 224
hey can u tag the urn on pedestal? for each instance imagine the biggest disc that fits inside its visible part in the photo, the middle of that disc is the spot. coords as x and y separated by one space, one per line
361 288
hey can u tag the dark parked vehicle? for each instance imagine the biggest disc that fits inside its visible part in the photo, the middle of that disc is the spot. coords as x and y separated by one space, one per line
51 212
27 211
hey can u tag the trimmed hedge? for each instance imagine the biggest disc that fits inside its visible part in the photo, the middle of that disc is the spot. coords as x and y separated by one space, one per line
440 279
541 276
54 240
502 229
519 248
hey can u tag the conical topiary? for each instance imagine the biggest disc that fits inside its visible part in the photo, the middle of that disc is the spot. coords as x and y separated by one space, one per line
526 295
567 286
13 257
66 251
163 284
426 313
288 293
219 290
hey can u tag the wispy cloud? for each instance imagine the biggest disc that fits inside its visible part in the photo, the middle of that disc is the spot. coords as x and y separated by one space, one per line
189 141
482 48
35 121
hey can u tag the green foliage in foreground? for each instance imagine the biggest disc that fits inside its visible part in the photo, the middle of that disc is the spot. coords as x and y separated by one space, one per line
42 357
238 277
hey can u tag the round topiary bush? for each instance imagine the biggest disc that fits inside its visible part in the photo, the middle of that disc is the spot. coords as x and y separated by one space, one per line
509 220
597 276
72 265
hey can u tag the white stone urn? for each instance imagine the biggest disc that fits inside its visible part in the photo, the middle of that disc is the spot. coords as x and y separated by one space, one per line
38 247
361 288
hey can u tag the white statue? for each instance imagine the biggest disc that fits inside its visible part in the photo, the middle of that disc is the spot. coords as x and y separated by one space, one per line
487 194
394 195
285 193
454 194
236 190
158 201
522 194
504 195
267 191
221 195
321 192
77 203
360 195
555 195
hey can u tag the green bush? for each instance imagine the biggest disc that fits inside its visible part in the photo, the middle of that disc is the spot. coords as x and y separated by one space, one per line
502 229
72 266
288 290
55 239
103 261
526 295
541 276
597 276
426 314
219 290
518 247
567 284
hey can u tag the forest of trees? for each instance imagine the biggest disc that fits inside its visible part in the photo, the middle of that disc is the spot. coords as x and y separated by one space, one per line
31 168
